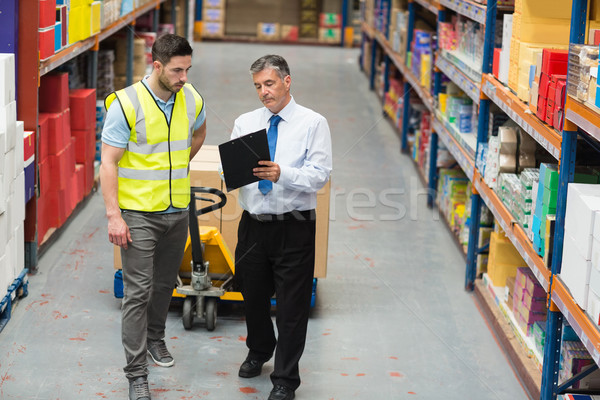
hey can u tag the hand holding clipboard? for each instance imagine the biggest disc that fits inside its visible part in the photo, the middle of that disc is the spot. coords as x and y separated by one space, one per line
239 156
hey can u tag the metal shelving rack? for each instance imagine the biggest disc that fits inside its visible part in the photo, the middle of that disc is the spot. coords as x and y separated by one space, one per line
561 145
31 69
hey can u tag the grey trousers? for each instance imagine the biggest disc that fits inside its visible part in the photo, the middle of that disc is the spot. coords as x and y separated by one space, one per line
150 266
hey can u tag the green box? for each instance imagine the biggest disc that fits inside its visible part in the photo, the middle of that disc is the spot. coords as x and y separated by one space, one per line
551 177
547 210
549 198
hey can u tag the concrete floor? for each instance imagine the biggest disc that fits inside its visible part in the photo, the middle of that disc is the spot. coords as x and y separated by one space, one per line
391 321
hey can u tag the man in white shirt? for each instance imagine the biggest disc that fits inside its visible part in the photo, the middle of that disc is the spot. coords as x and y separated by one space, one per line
276 235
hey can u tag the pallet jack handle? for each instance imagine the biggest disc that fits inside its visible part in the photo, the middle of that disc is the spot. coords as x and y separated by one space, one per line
197 256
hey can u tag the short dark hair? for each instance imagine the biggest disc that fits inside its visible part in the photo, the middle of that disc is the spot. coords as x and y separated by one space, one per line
273 61
168 45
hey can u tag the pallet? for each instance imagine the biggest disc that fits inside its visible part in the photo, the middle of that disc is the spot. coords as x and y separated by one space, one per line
18 289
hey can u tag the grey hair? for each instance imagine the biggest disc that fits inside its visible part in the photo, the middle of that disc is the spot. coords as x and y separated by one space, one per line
272 61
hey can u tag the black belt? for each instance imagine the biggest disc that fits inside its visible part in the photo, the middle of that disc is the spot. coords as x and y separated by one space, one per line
306 215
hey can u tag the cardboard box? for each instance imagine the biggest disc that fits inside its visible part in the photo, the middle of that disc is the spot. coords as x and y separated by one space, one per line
82 103
330 35
583 201
7 79
54 92
268 31
289 33
213 15
47 13
8 124
575 271
213 29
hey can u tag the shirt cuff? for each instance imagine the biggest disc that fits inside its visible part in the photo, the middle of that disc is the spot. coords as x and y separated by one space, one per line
285 175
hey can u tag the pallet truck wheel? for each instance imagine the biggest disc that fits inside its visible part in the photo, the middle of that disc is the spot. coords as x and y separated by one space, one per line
188 313
211 313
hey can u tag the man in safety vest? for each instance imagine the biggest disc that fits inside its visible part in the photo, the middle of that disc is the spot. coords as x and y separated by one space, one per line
153 129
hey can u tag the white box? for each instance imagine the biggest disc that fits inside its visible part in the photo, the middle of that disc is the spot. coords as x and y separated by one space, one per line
19 237
9 172
7 78
596 229
8 124
3 274
593 307
9 254
504 66
575 271
2 197
582 202
596 251
3 230
19 200
20 147
8 228
595 281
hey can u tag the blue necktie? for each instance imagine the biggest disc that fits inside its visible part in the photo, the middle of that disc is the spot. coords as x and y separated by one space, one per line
264 185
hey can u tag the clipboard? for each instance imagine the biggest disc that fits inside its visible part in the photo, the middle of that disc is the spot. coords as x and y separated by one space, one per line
239 156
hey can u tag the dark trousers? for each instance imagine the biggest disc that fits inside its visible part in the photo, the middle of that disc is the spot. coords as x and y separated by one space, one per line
276 257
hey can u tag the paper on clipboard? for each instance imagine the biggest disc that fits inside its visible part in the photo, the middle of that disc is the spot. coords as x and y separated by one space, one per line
239 156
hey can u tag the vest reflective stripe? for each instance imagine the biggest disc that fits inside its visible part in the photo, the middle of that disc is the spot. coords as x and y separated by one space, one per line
152 175
154 170
158 147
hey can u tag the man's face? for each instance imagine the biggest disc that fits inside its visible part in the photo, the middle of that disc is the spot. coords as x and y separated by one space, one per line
271 89
173 75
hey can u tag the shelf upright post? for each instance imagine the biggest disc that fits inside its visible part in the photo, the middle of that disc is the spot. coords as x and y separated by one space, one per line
93 65
386 73
567 170
129 70
407 88
27 82
344 21
174 15
433 140
155 17
373 56
482 129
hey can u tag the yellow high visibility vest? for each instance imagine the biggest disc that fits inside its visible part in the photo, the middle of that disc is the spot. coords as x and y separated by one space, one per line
154 170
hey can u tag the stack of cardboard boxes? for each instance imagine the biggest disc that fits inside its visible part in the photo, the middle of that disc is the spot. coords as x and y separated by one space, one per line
213 18
140 61
309 19
550 84
580 269
528 300
46 29
12 179
545 205
330 28
66 155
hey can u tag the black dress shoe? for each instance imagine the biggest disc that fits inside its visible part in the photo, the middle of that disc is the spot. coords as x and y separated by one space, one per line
250 368
281 392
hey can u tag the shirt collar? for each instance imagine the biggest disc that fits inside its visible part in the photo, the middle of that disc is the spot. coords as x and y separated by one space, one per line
285 113
158 99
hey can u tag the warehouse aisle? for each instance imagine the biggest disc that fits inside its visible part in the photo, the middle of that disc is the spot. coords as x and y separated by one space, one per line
391 319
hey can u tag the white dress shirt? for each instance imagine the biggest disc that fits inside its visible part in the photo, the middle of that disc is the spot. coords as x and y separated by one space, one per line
303 154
